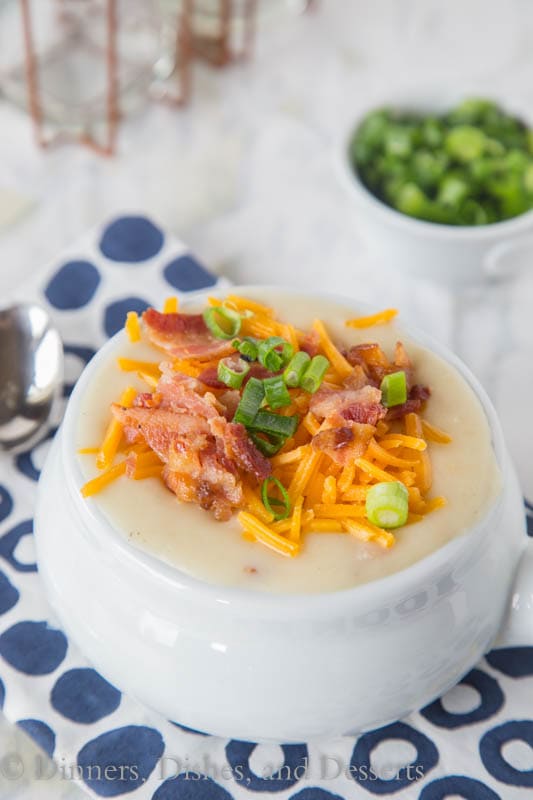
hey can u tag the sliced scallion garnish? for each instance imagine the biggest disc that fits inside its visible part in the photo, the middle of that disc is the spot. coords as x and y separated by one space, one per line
273 424
394 389
250 402
387 504
283 505
274 353
247 347
314 374
268 445
276 393
224 323
296 368
232 371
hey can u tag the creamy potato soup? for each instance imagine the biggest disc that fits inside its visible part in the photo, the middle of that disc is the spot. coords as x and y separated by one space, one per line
189 538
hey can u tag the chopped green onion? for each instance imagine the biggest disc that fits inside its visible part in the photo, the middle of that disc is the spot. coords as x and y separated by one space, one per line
394 389
273 424
247 347
465 143
297 365
269 354
269 501
250 403
268 445
313 375
232 371
387 504
276 393
466 166
224 323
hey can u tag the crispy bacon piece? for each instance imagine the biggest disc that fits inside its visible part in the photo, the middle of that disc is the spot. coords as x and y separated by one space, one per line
203 452
184 336
356 379
240 449
350 417
147 400
372 360
344 443
199 477
356 405
183 394
209 377
368 354
161 428
415 400
229 400
311 343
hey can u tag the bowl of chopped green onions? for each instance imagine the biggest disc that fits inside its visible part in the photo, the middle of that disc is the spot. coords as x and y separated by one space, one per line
444 192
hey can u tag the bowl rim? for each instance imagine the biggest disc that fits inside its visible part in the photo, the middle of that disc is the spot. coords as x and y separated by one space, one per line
364 595
489 232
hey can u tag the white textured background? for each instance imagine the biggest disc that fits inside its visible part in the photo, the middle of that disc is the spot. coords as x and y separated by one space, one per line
245 176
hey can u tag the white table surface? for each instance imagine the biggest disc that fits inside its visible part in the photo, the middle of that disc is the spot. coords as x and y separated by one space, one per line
245 176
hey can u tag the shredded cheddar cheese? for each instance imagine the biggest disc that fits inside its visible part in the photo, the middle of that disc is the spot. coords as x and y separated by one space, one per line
133 326
132 365
170 305
329 492
339 363
267 536
381 318
325 496
113 435
103 480
296 521
434 434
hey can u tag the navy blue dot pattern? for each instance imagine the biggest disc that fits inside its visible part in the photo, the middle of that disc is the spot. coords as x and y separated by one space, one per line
188 275
116 312
52 693
491 752
239 753
83 696
491 700
191 786
458 786
6 503
131 240
126 756
73 286
361 761
25 461
315 793
41 733
516 662
33 647
9 594
10 543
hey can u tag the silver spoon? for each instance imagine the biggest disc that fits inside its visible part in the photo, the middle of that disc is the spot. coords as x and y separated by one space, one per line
31 373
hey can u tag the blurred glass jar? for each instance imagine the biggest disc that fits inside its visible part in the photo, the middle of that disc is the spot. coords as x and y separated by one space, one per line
222 31
78 66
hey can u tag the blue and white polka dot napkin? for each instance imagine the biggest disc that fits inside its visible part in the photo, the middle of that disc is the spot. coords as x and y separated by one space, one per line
475 743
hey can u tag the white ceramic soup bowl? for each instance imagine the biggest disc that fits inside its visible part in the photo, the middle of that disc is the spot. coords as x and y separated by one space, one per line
258 666
452 254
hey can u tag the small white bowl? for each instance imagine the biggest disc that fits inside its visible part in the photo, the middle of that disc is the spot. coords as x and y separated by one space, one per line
258 666
452 254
